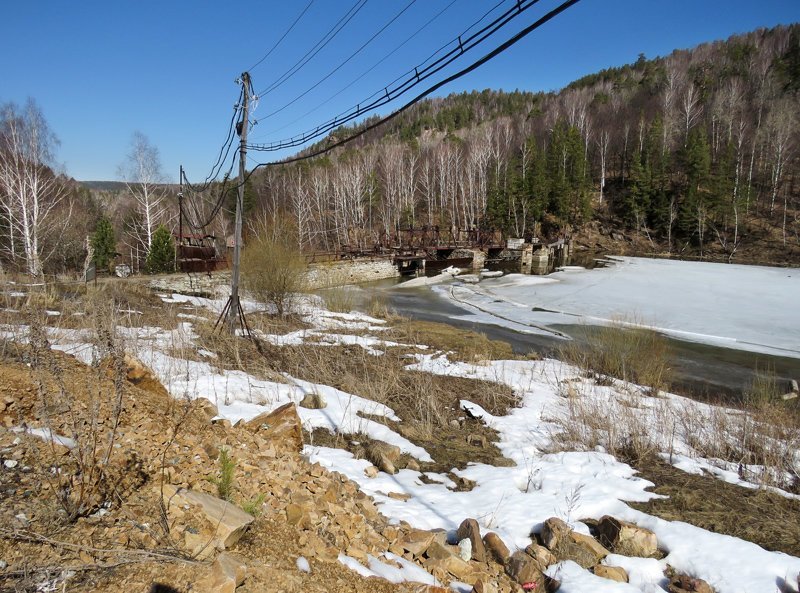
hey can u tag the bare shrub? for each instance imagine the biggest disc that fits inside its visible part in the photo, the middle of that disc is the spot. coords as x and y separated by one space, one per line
274 269
93 473
339 299
616 424
623 352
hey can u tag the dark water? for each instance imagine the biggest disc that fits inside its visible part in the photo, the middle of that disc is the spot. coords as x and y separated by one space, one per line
698 369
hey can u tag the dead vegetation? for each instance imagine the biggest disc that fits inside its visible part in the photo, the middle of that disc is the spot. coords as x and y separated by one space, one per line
459 344
756 515
623 351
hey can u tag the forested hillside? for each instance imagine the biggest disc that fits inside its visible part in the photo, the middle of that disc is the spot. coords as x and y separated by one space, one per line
696 152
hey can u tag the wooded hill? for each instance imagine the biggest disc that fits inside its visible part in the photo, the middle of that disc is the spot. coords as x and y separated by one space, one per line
697 152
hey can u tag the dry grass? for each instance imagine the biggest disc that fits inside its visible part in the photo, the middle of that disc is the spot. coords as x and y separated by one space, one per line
759 441
631 354
757 515
429 401
460 344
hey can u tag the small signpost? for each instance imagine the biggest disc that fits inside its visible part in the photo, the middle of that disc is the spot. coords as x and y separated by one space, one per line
91 273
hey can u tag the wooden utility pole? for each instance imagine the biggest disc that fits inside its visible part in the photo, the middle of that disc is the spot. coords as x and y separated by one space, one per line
180 221
235 309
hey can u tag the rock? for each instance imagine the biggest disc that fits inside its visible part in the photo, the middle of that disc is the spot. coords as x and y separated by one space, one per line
553 531
282 426
229 521
496 547
313 401
452 564
413 465
404 496
566 544
417 541
438 551
383 455
469 529
541 554
794 386
228 572
371 471
524 569
465 549
207 408
296 515
583 549
139 374
685 584
614 573
627 539
484 586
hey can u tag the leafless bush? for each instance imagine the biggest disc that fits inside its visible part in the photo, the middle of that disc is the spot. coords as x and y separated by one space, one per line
93 473
616 424
274 269
624 352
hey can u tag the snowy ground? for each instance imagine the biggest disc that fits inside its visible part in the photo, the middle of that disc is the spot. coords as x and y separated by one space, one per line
735 306
512 501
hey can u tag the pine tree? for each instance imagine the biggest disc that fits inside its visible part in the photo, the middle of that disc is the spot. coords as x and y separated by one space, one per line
694 209
161 257
104 244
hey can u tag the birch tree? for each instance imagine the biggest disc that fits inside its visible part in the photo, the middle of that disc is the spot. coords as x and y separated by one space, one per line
144 181
31 191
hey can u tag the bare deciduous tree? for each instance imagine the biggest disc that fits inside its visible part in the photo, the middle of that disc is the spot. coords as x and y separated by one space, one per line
31 190
144 180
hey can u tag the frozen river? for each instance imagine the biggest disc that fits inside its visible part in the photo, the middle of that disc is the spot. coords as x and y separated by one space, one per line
723 321
750 308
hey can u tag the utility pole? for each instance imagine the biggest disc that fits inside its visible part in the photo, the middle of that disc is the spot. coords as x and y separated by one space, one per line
235 308
180 220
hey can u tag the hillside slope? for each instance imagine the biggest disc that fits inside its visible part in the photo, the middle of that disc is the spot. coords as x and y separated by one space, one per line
692 154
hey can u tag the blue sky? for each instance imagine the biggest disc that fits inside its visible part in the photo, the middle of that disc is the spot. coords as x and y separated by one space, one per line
101 70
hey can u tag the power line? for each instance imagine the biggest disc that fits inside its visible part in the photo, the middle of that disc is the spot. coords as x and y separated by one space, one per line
498 50
223 152
327 38
495 52
342 64
414 79
278 42
375 65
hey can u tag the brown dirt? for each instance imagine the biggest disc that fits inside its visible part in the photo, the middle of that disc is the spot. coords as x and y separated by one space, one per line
761 243
764 518
116 551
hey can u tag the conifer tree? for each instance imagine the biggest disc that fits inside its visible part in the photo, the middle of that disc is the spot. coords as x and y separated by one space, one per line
104 244
161 257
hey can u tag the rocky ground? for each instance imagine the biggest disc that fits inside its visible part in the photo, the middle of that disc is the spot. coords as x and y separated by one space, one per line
108 483
152 513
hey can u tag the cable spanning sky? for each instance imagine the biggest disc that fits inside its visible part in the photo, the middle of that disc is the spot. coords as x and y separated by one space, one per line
102 70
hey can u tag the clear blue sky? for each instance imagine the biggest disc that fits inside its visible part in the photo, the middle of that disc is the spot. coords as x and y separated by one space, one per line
101 70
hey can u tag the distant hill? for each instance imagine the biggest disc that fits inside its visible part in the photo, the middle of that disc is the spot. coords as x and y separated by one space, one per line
104 185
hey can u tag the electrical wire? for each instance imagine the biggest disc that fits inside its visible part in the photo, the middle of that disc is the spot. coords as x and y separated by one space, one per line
327 38
223 151
414 79
278 42
495 52
342 64
378 63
